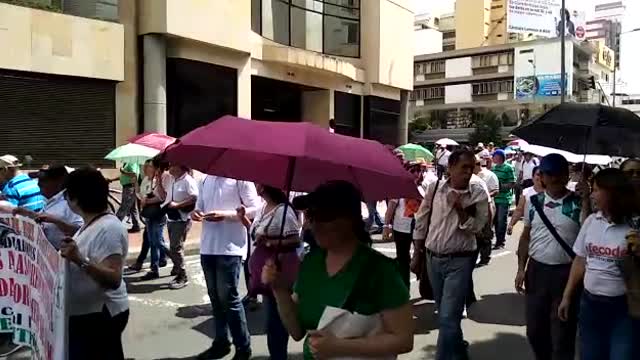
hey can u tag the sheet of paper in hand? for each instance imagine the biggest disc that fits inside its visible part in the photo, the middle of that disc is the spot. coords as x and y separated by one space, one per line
344 324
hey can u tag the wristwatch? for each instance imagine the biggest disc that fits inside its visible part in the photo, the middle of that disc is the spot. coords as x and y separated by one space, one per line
84 263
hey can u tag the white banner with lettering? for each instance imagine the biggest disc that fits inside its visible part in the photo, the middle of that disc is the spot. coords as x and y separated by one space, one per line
32 288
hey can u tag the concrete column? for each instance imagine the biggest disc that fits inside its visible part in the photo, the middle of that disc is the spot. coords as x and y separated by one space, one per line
318 107
155 83
127 106
244 89
403 121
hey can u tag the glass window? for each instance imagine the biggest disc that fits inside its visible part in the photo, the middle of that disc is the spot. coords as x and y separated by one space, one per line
341 36
256 16
275 20
306 29
329 26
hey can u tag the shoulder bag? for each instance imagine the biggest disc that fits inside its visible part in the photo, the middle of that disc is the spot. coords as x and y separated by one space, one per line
535 201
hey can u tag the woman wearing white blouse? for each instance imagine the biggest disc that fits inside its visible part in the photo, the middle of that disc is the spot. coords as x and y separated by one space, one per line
98 305
607 330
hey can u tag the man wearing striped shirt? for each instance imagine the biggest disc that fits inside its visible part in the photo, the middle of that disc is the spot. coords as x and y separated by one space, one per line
18 188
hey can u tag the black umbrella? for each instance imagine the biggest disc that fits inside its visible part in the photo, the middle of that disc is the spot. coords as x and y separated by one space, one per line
585 129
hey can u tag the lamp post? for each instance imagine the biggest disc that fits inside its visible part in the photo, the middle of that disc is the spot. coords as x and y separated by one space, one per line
563 65
615 68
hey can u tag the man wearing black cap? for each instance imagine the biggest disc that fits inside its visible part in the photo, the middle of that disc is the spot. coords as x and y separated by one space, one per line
544 262
57 219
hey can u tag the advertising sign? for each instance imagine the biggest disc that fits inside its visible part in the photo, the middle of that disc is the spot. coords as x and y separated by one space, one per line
530 87
606 56
32 287
543 18
535 17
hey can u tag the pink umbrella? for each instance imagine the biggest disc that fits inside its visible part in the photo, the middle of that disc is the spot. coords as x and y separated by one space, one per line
292 156
153 140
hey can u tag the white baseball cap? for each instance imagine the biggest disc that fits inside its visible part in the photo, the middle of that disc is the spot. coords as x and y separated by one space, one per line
9 161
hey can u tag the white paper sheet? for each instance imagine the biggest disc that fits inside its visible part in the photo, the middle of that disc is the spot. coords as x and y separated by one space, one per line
344 324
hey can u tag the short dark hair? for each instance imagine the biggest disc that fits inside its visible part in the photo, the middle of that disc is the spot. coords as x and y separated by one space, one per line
629 161
88 187
535 170
276 195
622 195
459 153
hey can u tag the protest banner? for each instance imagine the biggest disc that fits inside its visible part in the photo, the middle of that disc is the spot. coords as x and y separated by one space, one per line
32 289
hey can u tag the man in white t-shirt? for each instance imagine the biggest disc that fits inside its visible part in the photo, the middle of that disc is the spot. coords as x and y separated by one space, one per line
545 263
491 181
529 163
442 160
182 193
223 246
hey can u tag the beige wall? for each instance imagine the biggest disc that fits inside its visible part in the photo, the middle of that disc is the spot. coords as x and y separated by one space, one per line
472 17
127 109
224 23
52 43
387 42
318 106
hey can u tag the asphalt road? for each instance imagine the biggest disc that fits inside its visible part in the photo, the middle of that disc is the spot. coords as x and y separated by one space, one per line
176 324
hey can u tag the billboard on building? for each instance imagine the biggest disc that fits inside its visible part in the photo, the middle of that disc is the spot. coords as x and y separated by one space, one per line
537 71
543 18
606 56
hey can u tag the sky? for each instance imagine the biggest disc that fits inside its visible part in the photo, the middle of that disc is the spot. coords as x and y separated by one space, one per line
629 74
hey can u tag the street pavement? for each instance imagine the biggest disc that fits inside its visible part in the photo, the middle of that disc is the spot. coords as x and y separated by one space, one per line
176 324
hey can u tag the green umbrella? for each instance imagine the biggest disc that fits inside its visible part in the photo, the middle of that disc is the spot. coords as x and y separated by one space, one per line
413 152
132 153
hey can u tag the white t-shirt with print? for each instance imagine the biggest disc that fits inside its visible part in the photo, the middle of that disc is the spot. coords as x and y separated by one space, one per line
604 246
401 223
104 237
543 247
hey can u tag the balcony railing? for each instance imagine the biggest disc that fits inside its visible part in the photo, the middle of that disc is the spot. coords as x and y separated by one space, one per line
95 9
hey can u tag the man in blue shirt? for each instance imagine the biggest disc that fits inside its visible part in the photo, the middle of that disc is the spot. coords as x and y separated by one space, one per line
18 188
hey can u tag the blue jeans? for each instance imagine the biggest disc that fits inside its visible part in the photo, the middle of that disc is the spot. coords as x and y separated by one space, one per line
450 279
500 222
277 335
607 332
155 233
222 275
374 216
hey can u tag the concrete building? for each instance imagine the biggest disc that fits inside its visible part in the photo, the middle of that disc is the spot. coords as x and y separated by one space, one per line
514 81
427 37
447 26
629 101
607 26
62 78
173 65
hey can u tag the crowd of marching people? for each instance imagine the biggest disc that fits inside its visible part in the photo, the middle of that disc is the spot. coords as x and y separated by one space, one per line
578 253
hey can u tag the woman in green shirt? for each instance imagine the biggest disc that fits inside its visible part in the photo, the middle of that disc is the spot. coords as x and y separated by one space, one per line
343 272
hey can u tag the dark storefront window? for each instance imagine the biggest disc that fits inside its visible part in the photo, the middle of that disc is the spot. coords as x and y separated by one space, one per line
347 114
198 93
328 26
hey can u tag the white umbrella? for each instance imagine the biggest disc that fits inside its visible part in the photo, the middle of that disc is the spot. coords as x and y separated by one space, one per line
446 142
571 157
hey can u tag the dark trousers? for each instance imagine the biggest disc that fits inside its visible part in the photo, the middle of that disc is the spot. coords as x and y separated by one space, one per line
607 332
550 337
178 231
129 206
374 216
97 336
403 255
500 222
277 335
222 275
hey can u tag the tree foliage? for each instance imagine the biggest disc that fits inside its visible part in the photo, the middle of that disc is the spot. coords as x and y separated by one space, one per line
488 128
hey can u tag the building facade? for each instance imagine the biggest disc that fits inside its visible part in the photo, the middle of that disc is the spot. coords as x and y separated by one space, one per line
514 81
173 65
61 72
